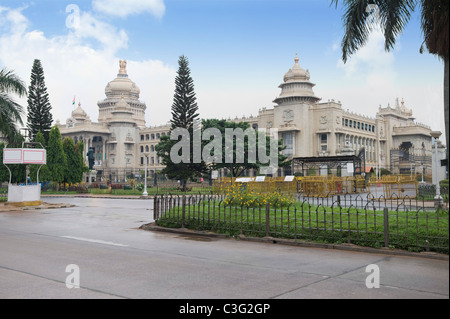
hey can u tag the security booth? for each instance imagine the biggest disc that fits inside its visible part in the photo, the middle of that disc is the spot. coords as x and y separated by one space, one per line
25 194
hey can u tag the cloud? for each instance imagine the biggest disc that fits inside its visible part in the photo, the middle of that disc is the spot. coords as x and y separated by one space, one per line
80 63
123 9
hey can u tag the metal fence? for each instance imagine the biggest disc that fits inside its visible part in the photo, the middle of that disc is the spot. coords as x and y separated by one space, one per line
375 222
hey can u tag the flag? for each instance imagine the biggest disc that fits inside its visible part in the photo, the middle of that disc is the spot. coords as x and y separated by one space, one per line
73 103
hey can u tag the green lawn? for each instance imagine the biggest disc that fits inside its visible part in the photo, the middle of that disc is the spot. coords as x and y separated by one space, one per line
411 230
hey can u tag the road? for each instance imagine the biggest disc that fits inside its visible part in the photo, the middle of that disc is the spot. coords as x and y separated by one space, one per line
113 258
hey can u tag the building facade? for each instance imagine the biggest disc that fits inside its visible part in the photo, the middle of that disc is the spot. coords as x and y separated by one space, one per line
309 127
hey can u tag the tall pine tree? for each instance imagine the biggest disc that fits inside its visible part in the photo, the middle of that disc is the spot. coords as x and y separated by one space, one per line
39 118
184 107
184 116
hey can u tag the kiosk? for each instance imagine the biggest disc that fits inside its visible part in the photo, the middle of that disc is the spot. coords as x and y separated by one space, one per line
25 194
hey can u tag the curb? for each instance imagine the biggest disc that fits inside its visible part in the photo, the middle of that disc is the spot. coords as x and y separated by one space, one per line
296 243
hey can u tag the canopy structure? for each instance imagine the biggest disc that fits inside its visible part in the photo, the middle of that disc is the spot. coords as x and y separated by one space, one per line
352 164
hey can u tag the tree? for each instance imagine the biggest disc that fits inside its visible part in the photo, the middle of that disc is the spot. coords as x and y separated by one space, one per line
184 116
393 16
18 172
40 118
10 111
184 107
243 149
56 159
44 172
75 163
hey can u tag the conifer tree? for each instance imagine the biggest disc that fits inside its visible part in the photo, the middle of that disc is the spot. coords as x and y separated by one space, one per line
184 116
56 159
39 118
184 107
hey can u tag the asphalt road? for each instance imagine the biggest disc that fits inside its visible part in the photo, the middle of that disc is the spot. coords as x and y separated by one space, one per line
112 258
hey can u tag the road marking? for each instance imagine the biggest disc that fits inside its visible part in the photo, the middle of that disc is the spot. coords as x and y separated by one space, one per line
95 241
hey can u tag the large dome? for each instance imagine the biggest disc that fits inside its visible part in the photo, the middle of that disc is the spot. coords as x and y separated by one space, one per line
122 85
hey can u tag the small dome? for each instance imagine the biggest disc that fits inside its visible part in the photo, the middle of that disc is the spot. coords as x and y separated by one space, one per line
79 113
296 73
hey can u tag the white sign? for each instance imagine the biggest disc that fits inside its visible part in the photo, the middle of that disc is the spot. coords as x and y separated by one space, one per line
289 178
260 178
12 156
350 169
24 156
214 174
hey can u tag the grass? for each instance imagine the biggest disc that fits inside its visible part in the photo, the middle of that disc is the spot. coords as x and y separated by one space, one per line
415 231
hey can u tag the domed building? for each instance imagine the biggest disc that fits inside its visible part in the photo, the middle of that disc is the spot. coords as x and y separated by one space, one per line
308 127
116 137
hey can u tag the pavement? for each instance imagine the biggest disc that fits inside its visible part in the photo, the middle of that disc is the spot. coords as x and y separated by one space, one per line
6 207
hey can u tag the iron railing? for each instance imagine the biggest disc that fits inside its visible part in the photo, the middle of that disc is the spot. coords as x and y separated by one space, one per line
376 222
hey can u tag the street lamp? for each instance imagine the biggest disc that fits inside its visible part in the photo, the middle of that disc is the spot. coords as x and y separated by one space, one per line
437 198
145 174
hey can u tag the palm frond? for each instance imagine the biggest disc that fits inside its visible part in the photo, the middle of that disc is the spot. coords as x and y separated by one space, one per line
394 16
11 83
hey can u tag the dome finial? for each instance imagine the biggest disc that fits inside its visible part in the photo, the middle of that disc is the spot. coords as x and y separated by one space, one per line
123 67
296 58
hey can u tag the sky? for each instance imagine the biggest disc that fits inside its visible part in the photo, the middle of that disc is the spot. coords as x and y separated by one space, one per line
238 51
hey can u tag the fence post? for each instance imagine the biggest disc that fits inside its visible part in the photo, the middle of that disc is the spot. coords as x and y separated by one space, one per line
386 226
267 219
155 209
183 210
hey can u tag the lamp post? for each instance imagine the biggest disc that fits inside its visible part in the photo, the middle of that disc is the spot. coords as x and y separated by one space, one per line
145 193
437 198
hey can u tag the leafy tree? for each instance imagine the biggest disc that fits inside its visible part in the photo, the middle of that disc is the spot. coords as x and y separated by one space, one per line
56 159
40 118
245 155
393 16
10 111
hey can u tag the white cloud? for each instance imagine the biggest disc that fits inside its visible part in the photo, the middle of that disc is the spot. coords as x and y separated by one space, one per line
80 63
123 9
370 79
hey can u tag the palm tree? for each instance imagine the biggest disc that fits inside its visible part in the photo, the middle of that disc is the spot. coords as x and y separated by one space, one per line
10 111
393 16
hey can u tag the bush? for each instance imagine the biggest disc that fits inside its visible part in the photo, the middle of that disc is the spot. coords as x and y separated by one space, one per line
239 195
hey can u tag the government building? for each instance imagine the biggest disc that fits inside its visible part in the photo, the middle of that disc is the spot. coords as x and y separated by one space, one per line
309 127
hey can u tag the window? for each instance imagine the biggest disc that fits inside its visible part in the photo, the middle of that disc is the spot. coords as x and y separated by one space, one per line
142 149
147 137
359 125
146 148
346 122
288 141
142 137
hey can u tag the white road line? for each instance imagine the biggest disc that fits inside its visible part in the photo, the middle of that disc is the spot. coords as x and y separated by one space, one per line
95 241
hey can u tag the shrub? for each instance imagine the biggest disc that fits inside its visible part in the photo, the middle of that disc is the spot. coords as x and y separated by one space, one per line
240 195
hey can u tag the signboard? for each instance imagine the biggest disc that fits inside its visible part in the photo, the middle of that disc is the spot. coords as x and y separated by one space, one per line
289 178
24 156
260 178
350 168
214 174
